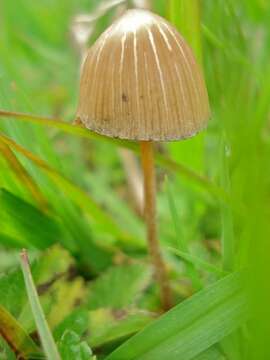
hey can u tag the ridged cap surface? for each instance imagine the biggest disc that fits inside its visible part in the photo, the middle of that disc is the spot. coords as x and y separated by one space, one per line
140 81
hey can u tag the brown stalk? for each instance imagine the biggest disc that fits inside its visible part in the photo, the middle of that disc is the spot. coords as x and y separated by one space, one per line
147 155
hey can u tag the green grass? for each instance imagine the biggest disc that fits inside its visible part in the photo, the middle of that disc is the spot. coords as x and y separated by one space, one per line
64 196
45 334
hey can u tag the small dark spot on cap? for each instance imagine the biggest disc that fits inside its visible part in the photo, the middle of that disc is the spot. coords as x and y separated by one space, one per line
124 97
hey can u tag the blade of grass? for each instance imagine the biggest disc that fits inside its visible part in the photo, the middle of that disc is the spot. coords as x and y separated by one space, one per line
17 338
227 237
212 353
234 53
174 166
76 194
25 224
182 245
46 337
175 217
191 327
198 262
180 14
23 176
76 130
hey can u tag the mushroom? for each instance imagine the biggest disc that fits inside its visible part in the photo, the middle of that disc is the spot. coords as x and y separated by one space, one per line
140 81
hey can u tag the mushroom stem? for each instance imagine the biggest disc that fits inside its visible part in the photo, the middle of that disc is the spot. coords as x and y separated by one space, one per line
147 155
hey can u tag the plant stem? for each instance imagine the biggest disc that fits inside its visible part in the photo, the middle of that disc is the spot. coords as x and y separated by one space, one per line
147 154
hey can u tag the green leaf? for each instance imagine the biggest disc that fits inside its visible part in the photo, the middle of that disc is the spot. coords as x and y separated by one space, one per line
58 299
120 286
51 267
46 337
12 292
65 296
192 326
77 321
210 354
26 223
58 294
16 336
72 348
107 325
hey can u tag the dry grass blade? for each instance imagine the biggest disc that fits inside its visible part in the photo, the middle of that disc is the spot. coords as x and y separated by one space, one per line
23 176
17 338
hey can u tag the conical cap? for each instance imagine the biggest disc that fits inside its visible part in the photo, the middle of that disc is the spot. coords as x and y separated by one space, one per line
140 81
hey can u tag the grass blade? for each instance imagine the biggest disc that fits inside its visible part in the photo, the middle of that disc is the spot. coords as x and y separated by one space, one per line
185 15
76 194
26 224
23 176
191 327
227 238
182 245
162 160
46 337
197 262
16 336
210 354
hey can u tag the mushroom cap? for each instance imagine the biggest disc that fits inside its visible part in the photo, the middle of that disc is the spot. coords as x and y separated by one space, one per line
140 81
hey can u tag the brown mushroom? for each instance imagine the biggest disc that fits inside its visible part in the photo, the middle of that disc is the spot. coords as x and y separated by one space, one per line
140 81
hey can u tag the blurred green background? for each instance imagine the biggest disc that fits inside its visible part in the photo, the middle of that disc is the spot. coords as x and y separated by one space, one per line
62 186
